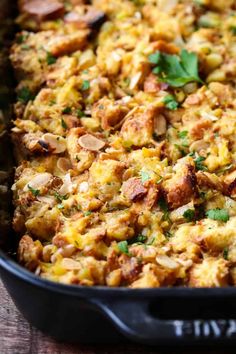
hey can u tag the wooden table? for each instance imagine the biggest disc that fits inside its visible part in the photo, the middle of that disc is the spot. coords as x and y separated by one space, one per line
18 337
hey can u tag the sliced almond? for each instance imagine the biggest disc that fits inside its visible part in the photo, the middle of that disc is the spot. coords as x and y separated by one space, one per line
199 145
48 200
83 187
63 164
40 180
160 125
47 9
70 264
90 142
56 142
166 262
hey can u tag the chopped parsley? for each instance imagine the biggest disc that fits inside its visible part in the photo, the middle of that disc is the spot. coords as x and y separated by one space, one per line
60 197
168 234
176 71
164 207
87 213
50 59
139 239
183 134
170 102
233 30
25 47
123 247
63 124
79 113
226 254
21 38
25 95
35 192
189 215
144 176
85 85
218 214
198 163
154 58
66 110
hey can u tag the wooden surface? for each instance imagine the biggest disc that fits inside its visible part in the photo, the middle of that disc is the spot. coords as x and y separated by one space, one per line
18 337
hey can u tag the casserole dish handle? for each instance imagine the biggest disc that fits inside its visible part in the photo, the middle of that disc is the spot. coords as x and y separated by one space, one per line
135 320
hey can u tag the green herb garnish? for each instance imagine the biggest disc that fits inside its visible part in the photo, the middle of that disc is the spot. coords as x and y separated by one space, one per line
21 38
226 254
233 30
168 234
87 213
60 197
164 207
50 59
85 85
25 95
189 215
123 247
79 113
66 110
63 124
198 163
139 239
183 134
35 192
218 214
170 102
144 176
25 47
176 71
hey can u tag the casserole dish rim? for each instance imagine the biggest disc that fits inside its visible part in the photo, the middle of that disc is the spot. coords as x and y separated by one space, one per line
19 271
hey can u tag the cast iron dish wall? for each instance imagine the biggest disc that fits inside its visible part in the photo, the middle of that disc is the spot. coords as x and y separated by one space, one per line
74 313
99 314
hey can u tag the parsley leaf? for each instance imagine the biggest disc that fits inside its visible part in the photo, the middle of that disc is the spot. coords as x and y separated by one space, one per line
233 30
63 124
35 192
198 163
170 102
87 213
79 113
154 58
144 176
175 70
164 207
218 214
189 215
21 38
183 134
25 47
139 239
168 234
85 85
50 59
123 247
225 253
60 197
66 110
25 95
